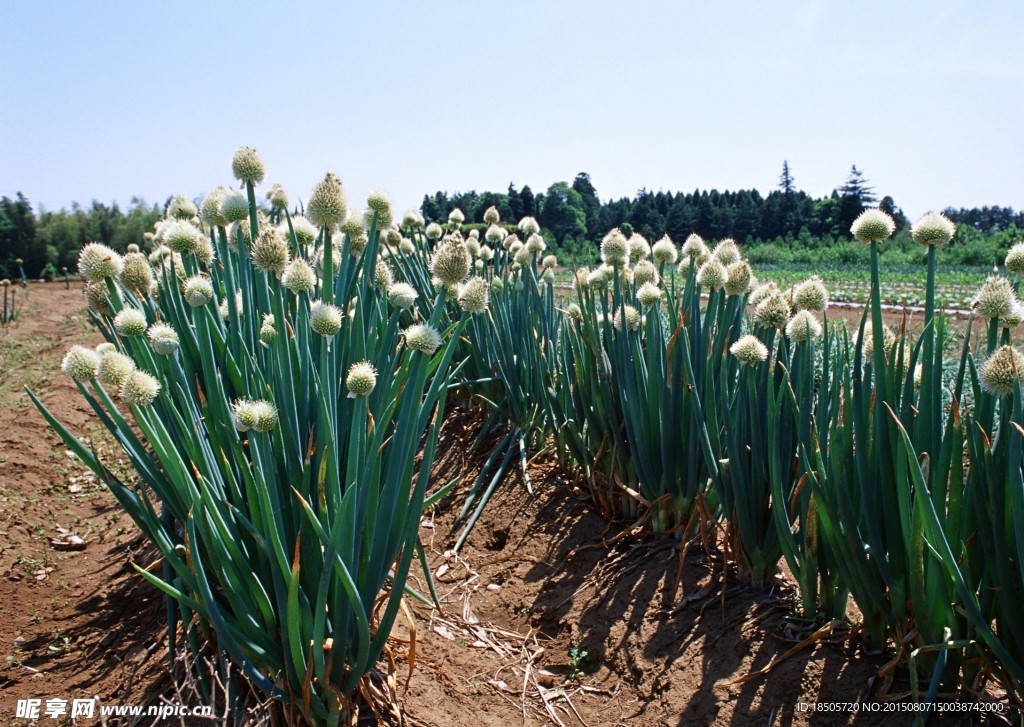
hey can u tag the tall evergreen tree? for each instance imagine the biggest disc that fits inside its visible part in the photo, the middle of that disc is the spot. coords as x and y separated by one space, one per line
515 204
529 202
857 186
591 202
786 183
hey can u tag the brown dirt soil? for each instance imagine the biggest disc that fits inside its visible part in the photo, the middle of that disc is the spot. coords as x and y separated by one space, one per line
541 578
74 624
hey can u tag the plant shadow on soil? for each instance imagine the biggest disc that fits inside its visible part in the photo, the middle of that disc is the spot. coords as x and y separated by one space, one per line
74 624
543 579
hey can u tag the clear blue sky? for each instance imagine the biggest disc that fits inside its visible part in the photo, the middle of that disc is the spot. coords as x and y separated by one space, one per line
106 100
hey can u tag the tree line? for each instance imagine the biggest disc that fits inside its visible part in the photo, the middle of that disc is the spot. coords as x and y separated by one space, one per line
786 225
49 241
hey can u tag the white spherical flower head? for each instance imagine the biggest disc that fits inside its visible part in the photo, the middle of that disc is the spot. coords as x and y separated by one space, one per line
811 295
695 247
995 299
597 279
204 252
114 367
639 248
491 215
182 237
761 292
549 261
645 272
473 295
105 347
130 322
305 232
486 253
406 246
450 263
198 291
548 276
933 230
738 278
473 246
247 166
581 278
324 318
456 218
727 252
495 234
244 415
773 311
888 339
1015 317
402 295
648 295
225 311
529 226
234 207
423 338
712 274
433 232
873 225
1015 259
180 208
268 333
327 205
535 244
96 297
615 248
383 276
357 238
1001 371
749 350
803 327
270 252
628 315
209 209
278 198
361 379
163 338
411 220
136 272
139 388
264 415
379 203
97 262
664 251
298 277
522 256
80 363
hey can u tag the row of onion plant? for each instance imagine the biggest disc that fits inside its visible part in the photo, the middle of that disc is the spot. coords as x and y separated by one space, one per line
282 382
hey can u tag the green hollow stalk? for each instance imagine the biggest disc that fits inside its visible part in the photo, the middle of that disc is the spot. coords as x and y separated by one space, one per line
929 401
